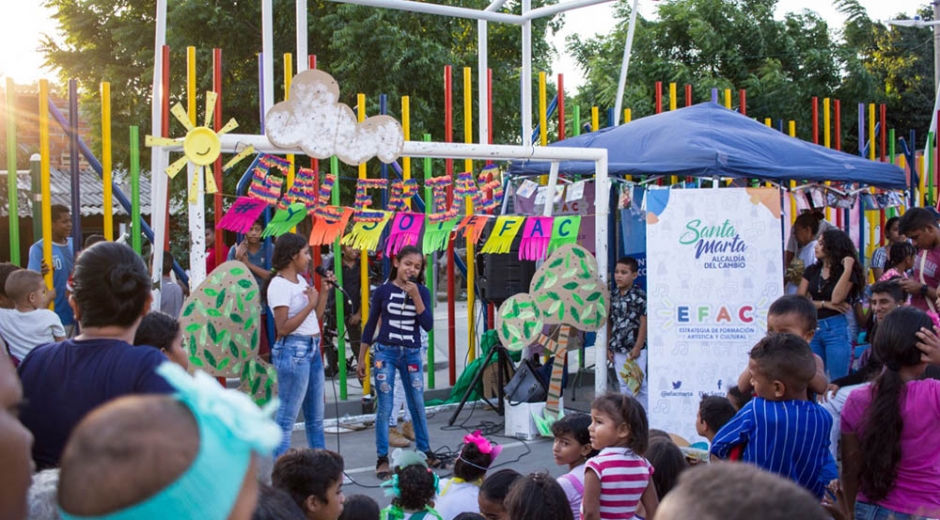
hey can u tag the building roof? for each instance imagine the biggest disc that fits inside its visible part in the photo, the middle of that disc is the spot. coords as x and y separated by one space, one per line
92 192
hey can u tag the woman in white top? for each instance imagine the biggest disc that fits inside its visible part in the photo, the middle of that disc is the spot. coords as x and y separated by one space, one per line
296 353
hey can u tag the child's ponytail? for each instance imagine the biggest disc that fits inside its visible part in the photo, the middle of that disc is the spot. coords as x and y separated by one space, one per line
475 458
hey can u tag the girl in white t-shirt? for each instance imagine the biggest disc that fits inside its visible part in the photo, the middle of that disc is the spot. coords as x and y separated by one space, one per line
296 353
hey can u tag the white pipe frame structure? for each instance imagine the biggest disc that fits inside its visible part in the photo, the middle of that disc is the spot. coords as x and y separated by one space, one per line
232 143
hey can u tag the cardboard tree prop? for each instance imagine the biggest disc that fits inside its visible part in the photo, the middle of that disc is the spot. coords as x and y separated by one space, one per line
566 291
221 324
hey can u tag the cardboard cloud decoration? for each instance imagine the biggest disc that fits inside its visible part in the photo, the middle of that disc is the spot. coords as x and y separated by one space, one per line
314 120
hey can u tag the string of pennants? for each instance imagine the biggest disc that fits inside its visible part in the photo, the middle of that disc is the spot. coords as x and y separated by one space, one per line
539 235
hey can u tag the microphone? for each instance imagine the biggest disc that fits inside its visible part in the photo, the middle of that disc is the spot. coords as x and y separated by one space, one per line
413 280
325 274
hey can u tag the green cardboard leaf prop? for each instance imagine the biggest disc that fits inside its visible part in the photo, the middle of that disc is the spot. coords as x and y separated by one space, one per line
565 291
221 324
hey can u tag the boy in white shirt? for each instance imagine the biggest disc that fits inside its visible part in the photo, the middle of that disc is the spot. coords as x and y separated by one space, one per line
28 324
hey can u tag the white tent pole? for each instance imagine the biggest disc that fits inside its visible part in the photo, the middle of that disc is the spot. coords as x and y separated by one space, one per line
427 8
526 78
627 50
267 51
302 51
553 9
928 150
159 157
482 90
601 213
550 190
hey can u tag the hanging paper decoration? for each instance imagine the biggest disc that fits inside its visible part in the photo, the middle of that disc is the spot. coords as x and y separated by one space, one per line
440 211
364 200
400 193
264 186
491 189
504 232
405 230
243 213
366 235
564 231
273 161
303 190
285 219
437 235
536 235
465 187
329 223
472 226
326 189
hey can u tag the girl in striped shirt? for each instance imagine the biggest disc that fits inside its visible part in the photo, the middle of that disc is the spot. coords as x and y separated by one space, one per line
618 478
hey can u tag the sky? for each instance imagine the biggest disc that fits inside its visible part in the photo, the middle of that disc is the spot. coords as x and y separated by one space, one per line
21 60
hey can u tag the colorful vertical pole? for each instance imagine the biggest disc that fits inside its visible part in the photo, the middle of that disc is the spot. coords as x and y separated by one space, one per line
815 120
627 115
165 129
688 95
74 171
595 119
429 273
838 118
45 178
135 189
728 98
196 183
468 166
672 97
742 101
827 139
364 254
576 128
792 132
451 275
288 76
659 97
106 167
340 306
561 107
12 190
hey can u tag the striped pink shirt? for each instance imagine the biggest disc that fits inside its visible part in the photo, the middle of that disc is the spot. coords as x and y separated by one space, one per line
624 476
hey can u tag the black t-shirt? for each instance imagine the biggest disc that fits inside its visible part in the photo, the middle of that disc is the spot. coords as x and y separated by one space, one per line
820 289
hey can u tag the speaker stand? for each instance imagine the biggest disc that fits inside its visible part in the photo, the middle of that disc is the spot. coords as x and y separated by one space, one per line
503 368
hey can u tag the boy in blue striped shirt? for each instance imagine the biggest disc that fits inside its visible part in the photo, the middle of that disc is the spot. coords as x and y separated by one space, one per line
781 430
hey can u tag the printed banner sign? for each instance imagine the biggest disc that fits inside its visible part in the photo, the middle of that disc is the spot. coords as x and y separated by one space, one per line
714 267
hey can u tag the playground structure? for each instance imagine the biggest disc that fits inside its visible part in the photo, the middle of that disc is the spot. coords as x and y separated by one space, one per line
923 187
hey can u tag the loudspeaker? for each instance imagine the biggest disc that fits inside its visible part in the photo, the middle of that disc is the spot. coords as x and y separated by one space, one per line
503 275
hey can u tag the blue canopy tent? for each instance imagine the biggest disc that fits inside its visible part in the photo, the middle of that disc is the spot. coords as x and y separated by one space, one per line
707 140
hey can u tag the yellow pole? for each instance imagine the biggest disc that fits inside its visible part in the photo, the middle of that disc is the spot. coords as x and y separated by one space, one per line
627 115
728 98
792 130
923 181
288 76
191 84
543 118
468 165
364 259
768 122
672 96
871 132
45 179
106 160
406 127
595 120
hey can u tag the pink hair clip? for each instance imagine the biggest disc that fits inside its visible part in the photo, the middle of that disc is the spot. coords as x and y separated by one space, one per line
483 445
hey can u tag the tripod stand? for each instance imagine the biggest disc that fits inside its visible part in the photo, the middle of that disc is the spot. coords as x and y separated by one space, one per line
503 369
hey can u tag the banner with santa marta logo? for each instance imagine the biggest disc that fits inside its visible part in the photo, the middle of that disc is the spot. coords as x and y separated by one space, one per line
714 266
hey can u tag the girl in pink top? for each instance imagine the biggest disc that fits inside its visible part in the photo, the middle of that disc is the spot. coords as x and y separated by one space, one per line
890 444
618 478
900 261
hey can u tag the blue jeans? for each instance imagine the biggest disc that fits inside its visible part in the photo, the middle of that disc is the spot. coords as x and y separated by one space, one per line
832 344
386 361
300 383
865 511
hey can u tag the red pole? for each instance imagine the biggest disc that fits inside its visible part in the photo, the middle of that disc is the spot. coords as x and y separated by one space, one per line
315 165
659 97
742 101
165 109
815 120
688 95
220 252
561 107
838 115
449 168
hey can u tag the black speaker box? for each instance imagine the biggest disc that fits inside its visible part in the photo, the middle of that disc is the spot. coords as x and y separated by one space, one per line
503 275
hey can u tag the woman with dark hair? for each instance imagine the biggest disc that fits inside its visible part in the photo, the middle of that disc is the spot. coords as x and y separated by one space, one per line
890 445
64 381
493 494
805 230
296 353
162 331
833 283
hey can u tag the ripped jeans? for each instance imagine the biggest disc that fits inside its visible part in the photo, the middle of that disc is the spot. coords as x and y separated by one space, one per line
388 361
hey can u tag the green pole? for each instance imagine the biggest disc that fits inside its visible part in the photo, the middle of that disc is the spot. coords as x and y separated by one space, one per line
929 168
577 120
429 269
12 191
135 190
893 211
338 296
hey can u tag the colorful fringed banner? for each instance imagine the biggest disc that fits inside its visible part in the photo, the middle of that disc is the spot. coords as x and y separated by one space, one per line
326 189
504 232
440 212
364 200
465 187
491 189
400 193
564 231
303 190
285 219
274 161
536 235
329 223
405 230
472 226
437 235
243 213
264 186
366 235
